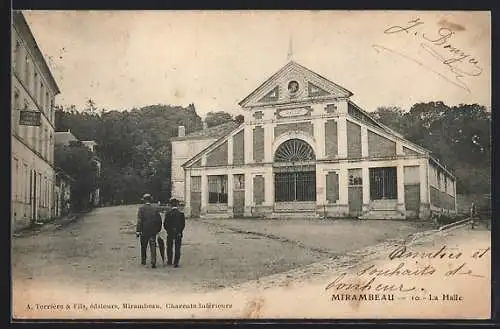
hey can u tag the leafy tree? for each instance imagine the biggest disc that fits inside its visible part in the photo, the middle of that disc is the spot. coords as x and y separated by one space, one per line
90 106
239 119
78 162
135 150
390 116
460 136
217 118
133 145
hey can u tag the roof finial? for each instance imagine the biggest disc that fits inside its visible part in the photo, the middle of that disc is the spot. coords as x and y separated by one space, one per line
290 49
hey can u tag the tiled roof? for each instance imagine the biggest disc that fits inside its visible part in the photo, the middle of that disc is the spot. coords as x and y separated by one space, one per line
212 132
64 137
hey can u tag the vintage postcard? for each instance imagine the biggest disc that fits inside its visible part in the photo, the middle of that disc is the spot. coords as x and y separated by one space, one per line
251 165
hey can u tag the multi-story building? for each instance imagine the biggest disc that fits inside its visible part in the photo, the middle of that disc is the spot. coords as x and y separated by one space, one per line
32 137
62 193
185 146
95 197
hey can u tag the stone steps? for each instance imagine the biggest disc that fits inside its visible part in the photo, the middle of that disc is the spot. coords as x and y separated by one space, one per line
295 214
383 214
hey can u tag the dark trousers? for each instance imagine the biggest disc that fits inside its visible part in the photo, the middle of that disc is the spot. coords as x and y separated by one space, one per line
151 240
171 239
161 246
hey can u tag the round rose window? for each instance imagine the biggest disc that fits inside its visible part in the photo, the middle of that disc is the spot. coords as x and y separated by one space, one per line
293 87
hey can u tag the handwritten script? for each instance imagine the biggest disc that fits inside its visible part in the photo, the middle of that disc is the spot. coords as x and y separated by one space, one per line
405 274
439 45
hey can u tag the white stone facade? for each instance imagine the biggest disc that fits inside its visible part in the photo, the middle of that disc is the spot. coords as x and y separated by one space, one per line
358 168
182 151
34 89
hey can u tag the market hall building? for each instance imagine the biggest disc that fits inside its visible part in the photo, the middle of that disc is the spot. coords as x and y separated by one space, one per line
307 150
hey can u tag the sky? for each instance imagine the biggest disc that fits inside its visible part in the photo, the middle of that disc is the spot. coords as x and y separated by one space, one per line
214 59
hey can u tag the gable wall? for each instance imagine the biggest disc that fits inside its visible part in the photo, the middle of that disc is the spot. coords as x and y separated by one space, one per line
218 156
258 144
182 151
353 140
331 139
239 148
379 146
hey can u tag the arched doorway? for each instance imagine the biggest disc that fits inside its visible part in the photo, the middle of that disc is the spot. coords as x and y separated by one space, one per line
294 172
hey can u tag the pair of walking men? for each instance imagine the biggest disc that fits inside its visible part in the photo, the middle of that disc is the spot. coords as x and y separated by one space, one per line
149 225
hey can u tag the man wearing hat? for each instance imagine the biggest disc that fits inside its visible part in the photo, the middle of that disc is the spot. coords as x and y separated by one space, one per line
174 224
148 226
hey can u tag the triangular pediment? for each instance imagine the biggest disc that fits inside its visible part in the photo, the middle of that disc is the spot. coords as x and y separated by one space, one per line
294 83
313 90
271 96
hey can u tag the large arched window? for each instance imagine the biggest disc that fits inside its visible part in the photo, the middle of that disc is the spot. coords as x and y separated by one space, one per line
294 150
297 182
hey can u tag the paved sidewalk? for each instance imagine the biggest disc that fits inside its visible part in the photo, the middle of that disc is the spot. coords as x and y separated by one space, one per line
55 224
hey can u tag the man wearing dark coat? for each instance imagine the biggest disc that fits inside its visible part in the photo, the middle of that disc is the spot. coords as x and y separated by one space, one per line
148 226
174 224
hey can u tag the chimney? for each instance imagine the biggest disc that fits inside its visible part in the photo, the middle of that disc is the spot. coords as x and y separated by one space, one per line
182 131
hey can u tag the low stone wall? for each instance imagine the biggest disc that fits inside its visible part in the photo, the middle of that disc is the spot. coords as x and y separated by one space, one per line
464 202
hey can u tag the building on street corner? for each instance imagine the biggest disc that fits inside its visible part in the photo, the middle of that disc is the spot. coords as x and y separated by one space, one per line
65 138
185 146
32 129
306 149
62 193
95 197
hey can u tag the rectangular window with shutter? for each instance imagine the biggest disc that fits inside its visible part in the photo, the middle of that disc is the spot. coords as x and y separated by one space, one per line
383 183
46 144
51 148
28 185
239 182
16 112
52 109
20 182
39 183
37 87
41 101
355 177
195 183
46 192
332 187
15 177
24 129
27 73
15 57
258 189
47 105
42 192
217 189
